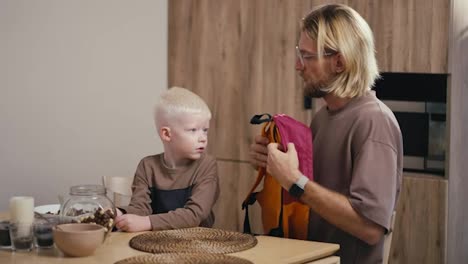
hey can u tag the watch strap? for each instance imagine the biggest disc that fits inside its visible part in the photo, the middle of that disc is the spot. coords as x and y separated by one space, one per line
302 181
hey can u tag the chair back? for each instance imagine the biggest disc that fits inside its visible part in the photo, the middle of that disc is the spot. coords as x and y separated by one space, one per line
119 188
388 239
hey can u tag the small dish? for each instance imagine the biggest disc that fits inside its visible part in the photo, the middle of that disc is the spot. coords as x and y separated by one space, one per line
52 209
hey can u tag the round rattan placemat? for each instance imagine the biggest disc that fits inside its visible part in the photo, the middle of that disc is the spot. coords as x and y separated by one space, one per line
184 259
193 240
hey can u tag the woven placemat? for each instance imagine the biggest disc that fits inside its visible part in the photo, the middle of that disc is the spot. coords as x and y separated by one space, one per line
193 240
184 259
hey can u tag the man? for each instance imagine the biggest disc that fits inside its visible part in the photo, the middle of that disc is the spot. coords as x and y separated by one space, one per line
357 142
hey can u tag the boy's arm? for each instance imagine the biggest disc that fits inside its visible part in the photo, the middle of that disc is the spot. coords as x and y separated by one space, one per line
140 203
133 223
198 208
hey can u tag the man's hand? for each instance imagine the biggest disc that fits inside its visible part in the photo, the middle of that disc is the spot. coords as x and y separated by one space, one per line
133 223
283 166
259 152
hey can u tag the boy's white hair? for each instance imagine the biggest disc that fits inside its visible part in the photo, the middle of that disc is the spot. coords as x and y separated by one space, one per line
177 101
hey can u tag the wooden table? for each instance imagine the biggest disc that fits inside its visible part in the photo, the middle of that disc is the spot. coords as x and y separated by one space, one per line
268 250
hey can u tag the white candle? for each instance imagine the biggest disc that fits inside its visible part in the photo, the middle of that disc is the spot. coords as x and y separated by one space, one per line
22 209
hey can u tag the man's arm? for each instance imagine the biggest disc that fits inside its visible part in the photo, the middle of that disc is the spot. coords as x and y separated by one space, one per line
337 210
332 206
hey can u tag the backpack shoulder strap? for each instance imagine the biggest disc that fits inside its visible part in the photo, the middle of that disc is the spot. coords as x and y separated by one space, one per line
270 131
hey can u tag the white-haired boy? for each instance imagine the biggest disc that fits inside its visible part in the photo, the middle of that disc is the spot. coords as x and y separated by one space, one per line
177 188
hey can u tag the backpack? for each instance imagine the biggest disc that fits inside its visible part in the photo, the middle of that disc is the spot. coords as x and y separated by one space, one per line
282 214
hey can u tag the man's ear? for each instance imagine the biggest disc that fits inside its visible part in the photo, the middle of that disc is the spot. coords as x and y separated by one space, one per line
339 63
165 134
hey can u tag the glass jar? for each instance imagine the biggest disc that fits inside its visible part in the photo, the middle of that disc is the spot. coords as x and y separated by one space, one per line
88 204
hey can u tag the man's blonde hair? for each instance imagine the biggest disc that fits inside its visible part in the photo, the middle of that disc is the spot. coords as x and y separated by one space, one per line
339 28
177 101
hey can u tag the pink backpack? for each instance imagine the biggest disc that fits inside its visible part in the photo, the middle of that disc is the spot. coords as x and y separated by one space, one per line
282 214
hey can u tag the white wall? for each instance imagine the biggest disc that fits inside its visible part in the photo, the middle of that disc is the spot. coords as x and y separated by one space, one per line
457 235
78 80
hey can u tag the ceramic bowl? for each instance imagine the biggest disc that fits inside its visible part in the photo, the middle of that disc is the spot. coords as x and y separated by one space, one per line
78 240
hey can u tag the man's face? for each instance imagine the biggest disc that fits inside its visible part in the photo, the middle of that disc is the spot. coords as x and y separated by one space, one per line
316 75
189 136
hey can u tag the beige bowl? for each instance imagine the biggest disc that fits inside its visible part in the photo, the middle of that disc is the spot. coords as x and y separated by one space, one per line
78 240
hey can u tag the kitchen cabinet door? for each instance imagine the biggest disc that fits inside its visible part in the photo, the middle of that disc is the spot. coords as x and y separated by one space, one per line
240 57
410 35
236 179
421 221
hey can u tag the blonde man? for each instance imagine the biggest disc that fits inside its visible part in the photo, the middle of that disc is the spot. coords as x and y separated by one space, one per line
357 142
177 188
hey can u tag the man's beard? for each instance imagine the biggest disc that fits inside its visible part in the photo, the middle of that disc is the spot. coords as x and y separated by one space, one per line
315 90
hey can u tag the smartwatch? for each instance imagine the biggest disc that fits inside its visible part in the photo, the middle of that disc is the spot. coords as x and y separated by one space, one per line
297 189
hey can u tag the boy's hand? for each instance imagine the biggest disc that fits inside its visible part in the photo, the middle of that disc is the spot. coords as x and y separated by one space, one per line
133 223
119 213
259 152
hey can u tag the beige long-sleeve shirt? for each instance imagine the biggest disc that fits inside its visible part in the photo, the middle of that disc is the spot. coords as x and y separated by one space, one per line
175 198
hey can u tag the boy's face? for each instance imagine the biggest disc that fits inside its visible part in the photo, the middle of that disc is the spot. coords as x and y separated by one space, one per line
189 136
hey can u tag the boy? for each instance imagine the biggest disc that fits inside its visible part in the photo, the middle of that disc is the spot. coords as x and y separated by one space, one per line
177 188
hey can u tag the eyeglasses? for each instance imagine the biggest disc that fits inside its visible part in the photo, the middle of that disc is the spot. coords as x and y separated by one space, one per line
308 56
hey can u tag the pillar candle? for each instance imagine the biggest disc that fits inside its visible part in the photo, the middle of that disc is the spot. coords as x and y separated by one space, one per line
22 209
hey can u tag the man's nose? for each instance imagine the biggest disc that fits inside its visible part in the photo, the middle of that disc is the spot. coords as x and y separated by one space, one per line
299 66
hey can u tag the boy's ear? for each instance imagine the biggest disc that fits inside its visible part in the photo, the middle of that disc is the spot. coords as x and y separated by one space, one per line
165 134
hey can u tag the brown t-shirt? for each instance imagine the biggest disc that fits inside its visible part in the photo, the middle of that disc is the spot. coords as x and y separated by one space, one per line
358 152
175 198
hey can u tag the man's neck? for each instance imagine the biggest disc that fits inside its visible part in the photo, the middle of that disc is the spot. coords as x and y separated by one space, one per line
335 103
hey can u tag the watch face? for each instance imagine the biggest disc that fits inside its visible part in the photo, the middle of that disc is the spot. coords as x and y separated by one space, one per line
296 191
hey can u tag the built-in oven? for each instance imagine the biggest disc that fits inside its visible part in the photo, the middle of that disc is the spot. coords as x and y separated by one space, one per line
419 104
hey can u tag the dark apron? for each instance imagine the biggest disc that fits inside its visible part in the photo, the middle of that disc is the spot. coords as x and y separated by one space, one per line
163 201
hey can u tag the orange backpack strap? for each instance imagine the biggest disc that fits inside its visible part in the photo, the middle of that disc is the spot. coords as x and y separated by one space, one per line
270 131
252 195
266 131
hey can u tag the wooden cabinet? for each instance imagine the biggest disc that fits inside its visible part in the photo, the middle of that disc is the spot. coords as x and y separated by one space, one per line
239 55
410 35
236 178
421 224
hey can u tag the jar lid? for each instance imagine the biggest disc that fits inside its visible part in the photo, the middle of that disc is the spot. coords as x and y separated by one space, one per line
87 190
